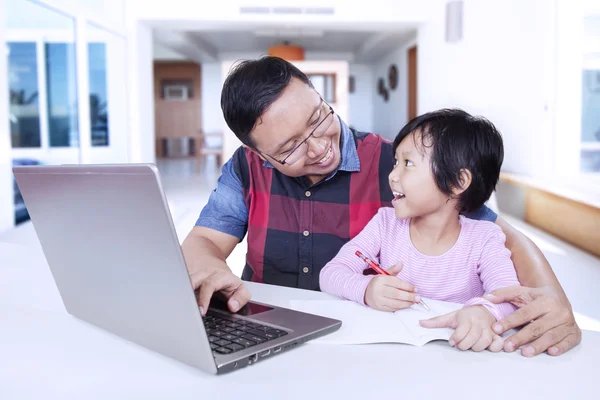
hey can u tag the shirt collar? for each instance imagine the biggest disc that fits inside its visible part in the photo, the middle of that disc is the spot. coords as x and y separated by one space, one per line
350 161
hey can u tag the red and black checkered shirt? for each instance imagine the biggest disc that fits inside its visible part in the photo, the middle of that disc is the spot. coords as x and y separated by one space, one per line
295 228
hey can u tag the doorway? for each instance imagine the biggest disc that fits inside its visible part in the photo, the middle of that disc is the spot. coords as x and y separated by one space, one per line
412 82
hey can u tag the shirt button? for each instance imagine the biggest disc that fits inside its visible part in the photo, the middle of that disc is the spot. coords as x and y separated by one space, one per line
305 233
305 270
307 193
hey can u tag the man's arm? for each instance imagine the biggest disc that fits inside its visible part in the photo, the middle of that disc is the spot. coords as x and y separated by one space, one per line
221 226
205 251
542 300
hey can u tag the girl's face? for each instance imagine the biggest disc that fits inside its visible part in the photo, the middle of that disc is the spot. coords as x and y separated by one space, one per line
415 191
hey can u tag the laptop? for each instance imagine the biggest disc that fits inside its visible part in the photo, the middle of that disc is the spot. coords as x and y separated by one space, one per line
109 239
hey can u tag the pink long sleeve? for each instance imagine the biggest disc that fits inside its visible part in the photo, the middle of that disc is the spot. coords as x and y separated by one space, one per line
477 264
496 270
343 276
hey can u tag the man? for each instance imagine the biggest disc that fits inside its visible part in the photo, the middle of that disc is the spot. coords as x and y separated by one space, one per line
303 184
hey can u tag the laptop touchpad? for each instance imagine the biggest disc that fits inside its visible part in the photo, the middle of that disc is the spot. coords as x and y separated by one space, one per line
248 309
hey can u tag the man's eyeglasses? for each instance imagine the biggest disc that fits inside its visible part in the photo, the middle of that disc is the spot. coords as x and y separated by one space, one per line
299 151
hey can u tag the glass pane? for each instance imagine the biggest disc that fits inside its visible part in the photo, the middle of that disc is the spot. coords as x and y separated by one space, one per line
24 112
62 95
107 96
590 161
98 94
590 107
43 90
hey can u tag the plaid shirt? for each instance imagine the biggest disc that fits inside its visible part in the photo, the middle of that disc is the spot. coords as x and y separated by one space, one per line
295 228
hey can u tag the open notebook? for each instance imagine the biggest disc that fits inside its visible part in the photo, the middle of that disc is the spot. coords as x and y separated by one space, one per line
362 324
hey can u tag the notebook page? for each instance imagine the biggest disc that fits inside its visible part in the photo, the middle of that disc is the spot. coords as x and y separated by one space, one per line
360 324
410 317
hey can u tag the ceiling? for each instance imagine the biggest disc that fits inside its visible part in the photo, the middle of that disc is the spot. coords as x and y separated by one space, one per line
366 44
314 40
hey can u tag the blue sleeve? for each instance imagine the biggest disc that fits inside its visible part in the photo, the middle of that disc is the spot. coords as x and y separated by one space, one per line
226 210
483 214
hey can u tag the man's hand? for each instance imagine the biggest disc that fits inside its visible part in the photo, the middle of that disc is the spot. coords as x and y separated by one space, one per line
472 329
390 293
550 321
212 280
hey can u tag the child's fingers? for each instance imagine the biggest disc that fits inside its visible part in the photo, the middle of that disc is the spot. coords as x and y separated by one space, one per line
399 294
459 334
399 284
484 340
395 305
471 338
497 344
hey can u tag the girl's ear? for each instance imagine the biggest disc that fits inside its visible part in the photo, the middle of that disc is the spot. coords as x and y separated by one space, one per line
464 180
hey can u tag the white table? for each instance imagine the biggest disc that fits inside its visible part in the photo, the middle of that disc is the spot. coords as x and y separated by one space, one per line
45 354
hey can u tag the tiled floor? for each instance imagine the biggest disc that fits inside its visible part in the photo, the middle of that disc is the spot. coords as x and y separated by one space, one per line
187 190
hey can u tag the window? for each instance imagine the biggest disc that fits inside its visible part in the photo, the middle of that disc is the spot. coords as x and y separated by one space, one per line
24 112
590 121
98 95
62 95
325 85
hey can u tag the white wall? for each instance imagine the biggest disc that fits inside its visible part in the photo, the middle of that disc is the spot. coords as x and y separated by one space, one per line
501 69
360 102
212 116
389 117
346 12
7 215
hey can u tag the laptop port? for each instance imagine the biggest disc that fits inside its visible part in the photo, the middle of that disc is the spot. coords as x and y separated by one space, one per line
254 358
265 353
277 349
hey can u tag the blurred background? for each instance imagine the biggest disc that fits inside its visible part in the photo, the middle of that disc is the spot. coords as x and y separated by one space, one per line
128 81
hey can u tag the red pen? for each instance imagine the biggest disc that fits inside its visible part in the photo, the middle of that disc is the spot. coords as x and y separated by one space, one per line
372 263
381 271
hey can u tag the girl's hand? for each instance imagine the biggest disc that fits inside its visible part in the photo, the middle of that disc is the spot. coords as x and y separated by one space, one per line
390 293
472 329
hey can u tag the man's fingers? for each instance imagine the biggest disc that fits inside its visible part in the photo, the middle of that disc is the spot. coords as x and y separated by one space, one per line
442 321
212 284
239 299
497 344
518 295
538 329
519 317
566 344
205 293
546 340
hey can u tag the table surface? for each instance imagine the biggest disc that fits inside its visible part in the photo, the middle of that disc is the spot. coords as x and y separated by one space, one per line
47 353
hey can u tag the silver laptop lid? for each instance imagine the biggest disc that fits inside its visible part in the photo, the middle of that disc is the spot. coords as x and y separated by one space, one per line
109 240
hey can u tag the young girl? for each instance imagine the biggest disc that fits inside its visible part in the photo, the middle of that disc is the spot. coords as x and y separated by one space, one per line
447 165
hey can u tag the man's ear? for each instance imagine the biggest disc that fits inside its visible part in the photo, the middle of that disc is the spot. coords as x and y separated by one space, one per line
464 180
248 148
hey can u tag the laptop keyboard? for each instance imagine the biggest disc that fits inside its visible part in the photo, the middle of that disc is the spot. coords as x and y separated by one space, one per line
228 335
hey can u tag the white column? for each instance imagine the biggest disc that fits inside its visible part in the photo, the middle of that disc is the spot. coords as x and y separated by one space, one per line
140 90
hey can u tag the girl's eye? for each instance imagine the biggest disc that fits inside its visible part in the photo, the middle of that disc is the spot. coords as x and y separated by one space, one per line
395 162
408 163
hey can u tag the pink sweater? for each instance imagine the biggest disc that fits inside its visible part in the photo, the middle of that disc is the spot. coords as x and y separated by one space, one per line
477 264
